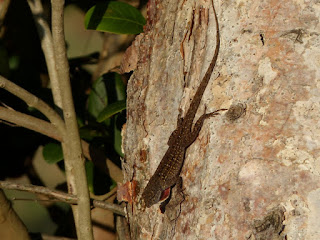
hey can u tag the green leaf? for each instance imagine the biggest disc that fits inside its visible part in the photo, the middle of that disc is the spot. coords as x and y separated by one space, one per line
52 153
90 175
98 99
111 109
114 17
88 133
120 87
114 184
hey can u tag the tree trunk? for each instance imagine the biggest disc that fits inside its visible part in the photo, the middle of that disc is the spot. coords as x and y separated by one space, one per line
253 173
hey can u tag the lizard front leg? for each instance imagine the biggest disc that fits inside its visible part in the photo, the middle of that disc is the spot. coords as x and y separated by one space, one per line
198 125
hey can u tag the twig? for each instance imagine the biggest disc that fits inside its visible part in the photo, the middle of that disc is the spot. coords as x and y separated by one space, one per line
47 47
46 128
30 122
61 196
104 196
35 102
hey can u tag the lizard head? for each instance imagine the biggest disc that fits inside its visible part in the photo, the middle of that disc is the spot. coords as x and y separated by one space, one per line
151 194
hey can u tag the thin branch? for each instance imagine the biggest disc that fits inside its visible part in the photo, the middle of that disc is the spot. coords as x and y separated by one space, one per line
61 196
46 128
29 122
104 196
74 160
47 47
33 101
109 206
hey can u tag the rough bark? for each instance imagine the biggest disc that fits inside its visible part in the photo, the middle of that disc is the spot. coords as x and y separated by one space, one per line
254 172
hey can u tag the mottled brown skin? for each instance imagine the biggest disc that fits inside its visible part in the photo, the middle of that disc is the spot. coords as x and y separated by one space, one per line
168 171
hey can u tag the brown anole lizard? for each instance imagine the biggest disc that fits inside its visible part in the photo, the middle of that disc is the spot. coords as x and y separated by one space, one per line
167 173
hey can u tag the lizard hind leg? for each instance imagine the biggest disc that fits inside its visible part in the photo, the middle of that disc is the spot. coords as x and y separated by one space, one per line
178 197
198 125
